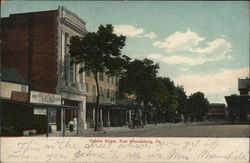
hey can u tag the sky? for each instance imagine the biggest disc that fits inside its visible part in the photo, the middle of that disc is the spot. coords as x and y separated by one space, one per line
203 46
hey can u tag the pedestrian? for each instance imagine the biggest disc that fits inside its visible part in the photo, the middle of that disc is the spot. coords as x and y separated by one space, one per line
75 124
71 125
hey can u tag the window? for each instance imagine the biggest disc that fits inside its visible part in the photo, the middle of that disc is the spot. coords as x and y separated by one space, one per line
66 67
81 78
73 72
66 43
104 92
87 74
112 80
117 81
94 90
87 87
101 91
108 93
52 116
112 94
101 78
71 77
108 79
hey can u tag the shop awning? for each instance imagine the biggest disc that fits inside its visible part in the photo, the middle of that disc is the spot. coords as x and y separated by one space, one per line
36 105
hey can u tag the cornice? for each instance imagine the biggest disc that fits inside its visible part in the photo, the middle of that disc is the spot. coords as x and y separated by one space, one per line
73 26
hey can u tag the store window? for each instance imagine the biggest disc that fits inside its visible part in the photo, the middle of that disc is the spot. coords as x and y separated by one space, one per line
52 116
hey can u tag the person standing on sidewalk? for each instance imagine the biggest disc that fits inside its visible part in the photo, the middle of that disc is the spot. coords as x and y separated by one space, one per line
75 124
71 125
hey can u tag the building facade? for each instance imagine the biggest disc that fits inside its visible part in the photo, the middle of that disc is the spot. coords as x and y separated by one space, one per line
35 45
216 111
108 90
238 105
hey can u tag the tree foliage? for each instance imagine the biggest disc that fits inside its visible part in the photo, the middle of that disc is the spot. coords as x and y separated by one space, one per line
171 101
139 79
182 100
99 52
197 105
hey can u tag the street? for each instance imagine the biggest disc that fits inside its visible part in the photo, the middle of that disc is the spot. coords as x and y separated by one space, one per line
195 129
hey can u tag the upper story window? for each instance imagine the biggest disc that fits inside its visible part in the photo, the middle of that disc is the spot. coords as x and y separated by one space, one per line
72 73
70 69
94 90
66 67
117 81
101 76
108 93
112 79
101 91
81 78
87 74
108 79
87 87
66 40
112 94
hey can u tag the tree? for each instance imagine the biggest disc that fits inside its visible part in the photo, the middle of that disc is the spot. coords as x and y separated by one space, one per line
182 100
139 79
170 105
100 52
158 97
197 105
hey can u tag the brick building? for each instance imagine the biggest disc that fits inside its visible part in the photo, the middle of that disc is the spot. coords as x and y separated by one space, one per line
216 111
35 46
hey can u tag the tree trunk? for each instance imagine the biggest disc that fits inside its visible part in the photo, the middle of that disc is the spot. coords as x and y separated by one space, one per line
97 102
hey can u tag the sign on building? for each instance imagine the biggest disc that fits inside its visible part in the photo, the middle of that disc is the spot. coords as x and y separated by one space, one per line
19 96
45 98
39 111
7 89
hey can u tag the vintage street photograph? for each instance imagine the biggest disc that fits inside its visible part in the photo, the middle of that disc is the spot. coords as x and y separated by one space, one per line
124 69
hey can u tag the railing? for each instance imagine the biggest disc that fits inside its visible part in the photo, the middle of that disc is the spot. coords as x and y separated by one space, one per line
102 100
75 86
127 102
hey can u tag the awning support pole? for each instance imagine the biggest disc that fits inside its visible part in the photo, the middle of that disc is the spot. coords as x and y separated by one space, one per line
47 133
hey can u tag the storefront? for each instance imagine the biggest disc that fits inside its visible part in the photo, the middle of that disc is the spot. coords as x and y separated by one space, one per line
114 115
41 114
60 117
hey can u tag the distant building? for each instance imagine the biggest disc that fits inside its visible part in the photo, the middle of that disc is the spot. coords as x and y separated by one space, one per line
244 86
216 111
35 46
238 105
